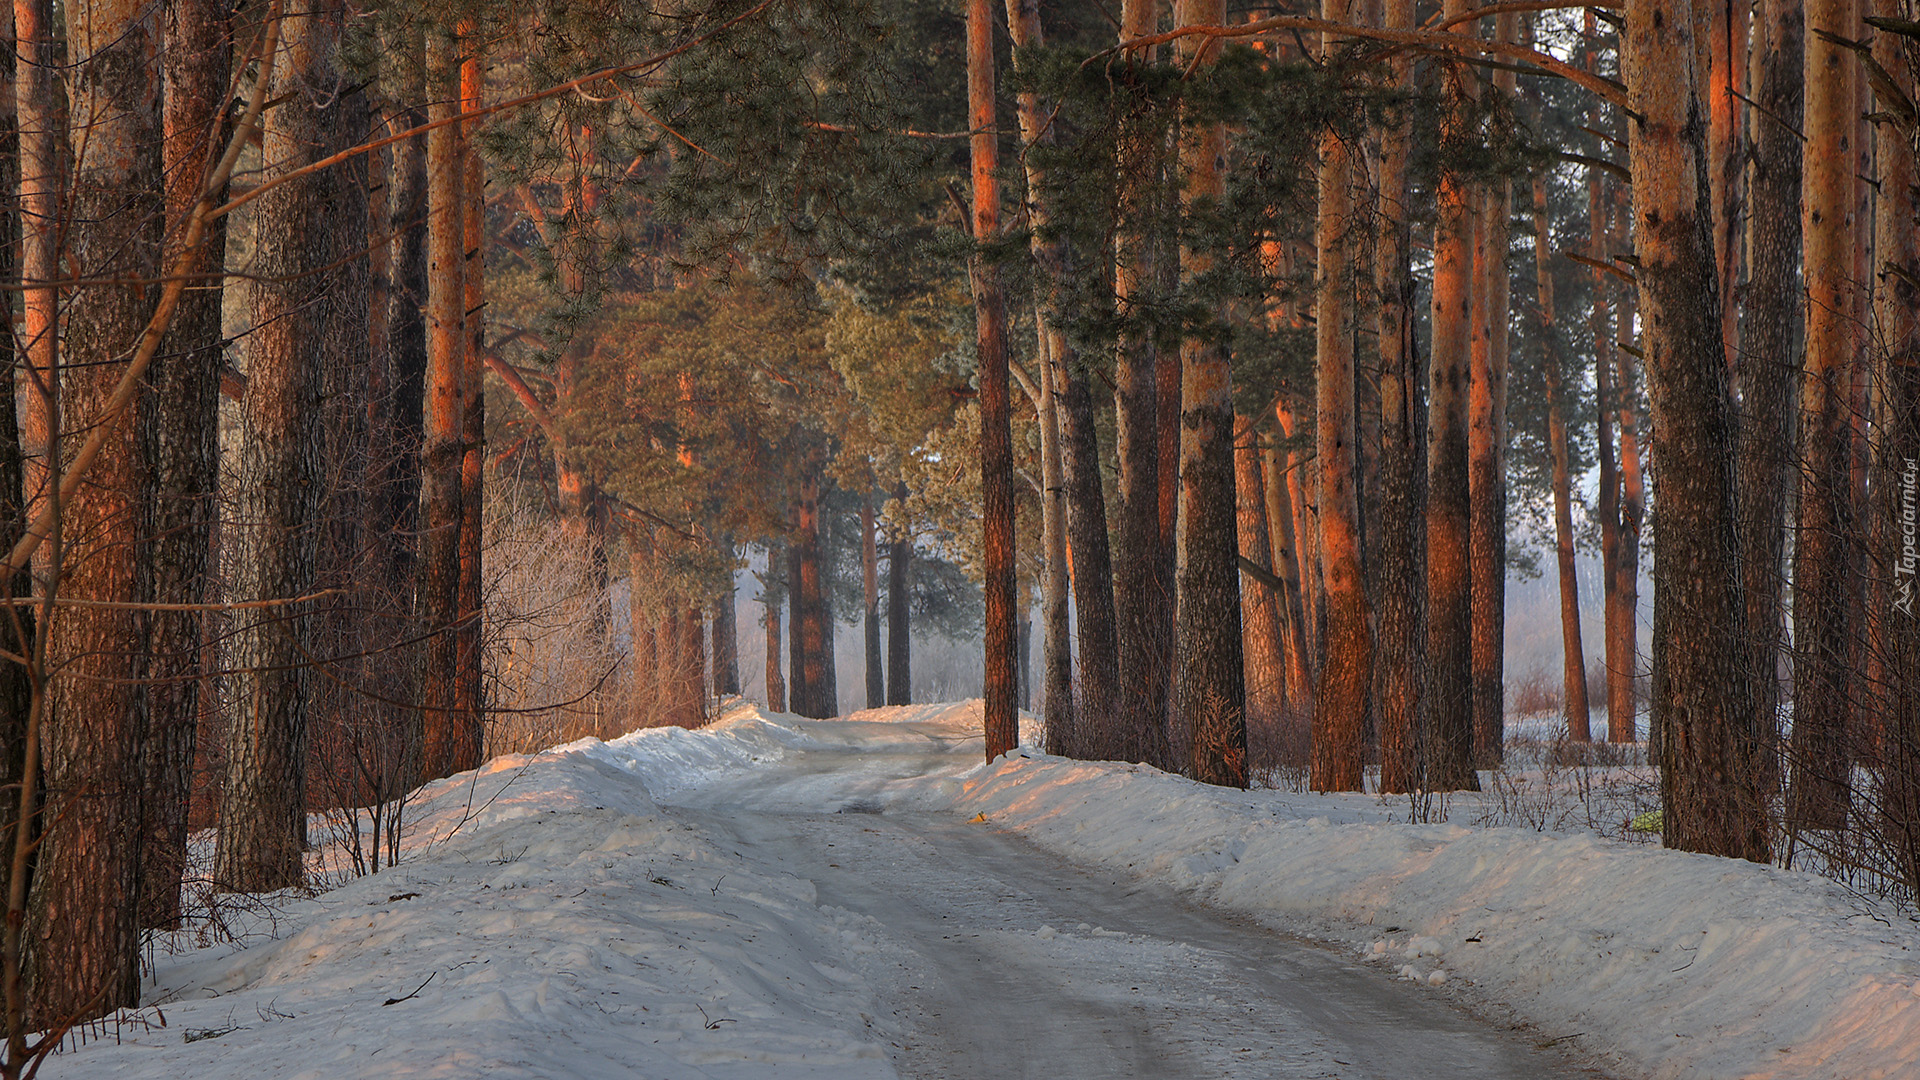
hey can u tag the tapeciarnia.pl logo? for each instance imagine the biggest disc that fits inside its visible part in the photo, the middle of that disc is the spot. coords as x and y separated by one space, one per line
1903 570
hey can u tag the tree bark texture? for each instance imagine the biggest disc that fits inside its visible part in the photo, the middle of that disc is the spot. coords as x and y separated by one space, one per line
899 622
469 679
1001 718
1708 753
813 693
1449 740
1823 571
726 640
437 597
1486 452
1136 730
1769 356
1340 707
1209 676
1400 573
1897 507
185 454
1266 674
84 920
773 595
870 606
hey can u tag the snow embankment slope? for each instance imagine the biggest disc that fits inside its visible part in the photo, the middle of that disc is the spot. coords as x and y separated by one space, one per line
546 920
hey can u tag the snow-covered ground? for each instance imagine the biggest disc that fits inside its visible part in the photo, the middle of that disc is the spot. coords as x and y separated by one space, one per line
578 914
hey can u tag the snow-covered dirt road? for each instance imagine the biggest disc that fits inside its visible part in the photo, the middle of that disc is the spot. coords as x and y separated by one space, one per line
771 898
1015 964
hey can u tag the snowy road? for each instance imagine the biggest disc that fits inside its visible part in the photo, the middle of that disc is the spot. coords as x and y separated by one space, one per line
1013 964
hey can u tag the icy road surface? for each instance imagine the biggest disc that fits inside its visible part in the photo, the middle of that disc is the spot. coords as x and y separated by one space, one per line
1012 963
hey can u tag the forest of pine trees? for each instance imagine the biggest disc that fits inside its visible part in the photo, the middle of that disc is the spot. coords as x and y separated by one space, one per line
1245 351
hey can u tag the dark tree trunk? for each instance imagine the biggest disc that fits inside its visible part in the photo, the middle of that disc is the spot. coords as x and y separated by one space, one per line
310 310
1709 753
1210 691
726 641
813 690
899 626
870 606
1486 465
185 454
85 917
773 594
1823 570
1449 740
1897 510
798 701
1400 575
16 624
1135 730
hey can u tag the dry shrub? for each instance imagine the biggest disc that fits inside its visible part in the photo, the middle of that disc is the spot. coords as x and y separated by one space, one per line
555 672
1536 693
1280 749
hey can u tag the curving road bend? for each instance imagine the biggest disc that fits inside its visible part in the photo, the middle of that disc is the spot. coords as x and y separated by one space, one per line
1010 963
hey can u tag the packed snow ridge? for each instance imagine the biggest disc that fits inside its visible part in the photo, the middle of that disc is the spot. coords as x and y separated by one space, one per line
555 915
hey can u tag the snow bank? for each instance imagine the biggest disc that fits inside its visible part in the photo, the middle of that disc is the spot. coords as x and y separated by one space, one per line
547 920
1681 965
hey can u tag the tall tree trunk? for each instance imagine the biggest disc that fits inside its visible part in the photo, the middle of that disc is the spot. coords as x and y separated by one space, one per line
41 123
1822 570
1486 452
1573 656
1897 558
773 594
826 691
1709 768
17 696
815 695
469 678
85 916
1400 577
870 605
1339 718
1057 633
1054 261
1266 675
186 454
1620 667
1623 611
1210 691
1136 729
437 597
399 515
899 620
1449 741
309 307
799 701
996 441
726 639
